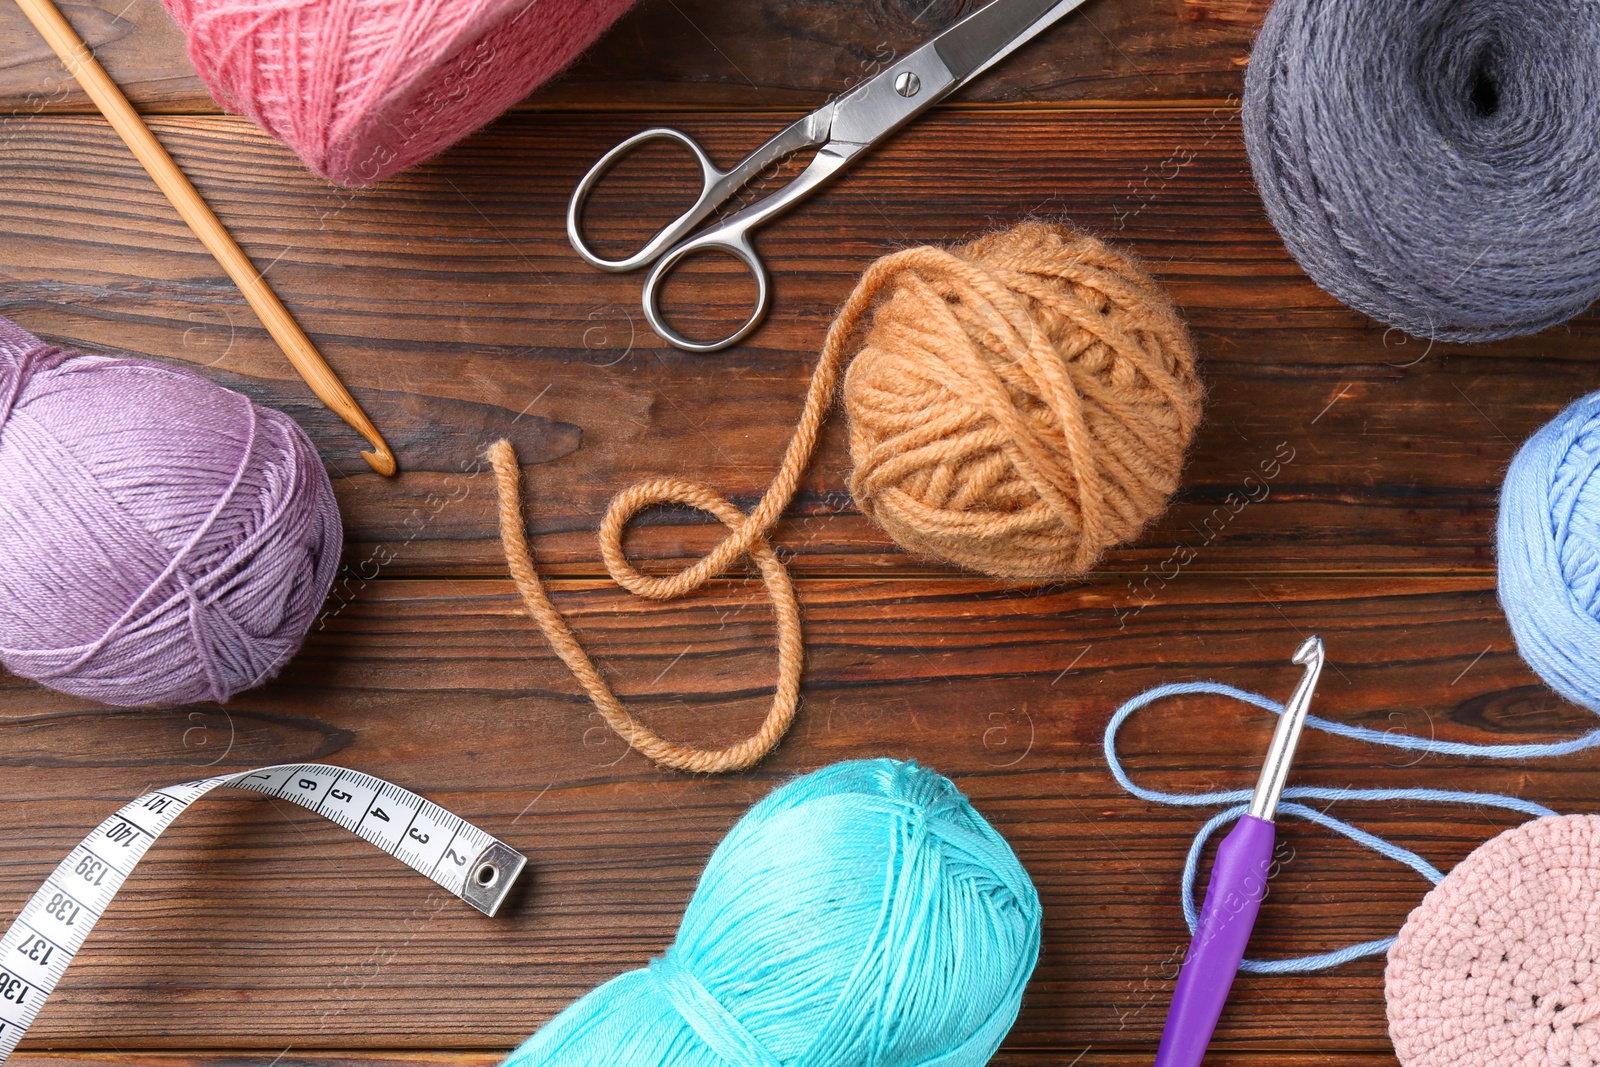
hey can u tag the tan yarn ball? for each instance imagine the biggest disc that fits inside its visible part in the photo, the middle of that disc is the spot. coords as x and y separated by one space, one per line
1022 402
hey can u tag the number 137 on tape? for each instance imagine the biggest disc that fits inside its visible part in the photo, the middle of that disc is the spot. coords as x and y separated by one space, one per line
52 926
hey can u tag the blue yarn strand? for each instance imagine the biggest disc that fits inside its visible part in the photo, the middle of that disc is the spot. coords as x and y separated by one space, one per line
1236 803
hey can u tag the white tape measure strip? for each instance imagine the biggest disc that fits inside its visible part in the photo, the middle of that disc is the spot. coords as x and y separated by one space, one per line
53 925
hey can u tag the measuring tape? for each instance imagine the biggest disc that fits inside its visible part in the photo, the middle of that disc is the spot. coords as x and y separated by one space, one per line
52 927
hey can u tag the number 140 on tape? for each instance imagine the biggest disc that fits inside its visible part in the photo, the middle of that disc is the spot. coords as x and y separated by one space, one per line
52 926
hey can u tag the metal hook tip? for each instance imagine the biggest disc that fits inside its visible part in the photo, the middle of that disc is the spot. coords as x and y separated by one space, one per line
1309 652
1285 738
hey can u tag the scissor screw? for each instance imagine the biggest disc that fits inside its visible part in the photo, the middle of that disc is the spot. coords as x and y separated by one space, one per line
907 84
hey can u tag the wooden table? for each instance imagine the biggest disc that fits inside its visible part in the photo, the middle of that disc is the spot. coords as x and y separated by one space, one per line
451 303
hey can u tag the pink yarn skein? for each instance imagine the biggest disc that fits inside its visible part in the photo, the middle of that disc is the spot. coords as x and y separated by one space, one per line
1499 966
361 89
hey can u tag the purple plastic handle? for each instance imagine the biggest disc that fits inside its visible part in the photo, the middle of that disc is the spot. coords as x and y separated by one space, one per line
1233 896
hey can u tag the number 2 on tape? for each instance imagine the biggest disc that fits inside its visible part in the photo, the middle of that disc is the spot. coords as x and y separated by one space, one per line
54 923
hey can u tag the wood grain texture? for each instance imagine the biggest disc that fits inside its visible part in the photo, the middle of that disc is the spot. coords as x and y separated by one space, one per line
1344 483
1090 1057
260 926
451 303
695 54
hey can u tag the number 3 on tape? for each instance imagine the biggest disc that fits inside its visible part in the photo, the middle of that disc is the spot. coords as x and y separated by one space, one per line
53 925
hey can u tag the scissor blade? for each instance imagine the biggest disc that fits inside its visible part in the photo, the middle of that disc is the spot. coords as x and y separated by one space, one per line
927 74
994 31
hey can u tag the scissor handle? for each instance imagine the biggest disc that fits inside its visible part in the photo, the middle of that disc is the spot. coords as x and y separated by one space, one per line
732 234
736 242
712 193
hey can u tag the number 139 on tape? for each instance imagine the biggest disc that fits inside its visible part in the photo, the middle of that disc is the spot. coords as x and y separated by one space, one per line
53 925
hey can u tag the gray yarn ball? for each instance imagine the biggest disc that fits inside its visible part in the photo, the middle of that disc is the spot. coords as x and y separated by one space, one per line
1434 164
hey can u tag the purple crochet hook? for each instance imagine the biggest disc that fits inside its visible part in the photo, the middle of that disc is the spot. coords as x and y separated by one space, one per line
1238 884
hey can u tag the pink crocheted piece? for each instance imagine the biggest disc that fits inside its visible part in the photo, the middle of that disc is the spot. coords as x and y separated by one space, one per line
361 89
1497 966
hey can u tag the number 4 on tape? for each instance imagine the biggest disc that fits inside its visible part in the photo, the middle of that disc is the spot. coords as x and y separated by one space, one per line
53 925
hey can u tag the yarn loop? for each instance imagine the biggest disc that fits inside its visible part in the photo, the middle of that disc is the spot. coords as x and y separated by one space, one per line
864 913
786 693
1431 162
1237 801
162 539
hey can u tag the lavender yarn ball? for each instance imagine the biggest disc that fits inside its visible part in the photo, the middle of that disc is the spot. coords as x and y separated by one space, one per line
162 539
1435 164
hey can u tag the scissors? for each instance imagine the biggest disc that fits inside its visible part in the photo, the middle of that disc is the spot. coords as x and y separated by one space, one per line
841 130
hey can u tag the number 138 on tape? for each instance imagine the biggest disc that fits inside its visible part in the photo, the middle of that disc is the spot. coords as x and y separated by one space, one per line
52 926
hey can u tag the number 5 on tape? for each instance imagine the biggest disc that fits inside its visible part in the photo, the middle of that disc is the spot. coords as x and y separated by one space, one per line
53 925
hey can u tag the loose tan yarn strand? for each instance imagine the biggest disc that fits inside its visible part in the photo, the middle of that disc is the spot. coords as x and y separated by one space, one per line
985 432
747 537
791 645
797 457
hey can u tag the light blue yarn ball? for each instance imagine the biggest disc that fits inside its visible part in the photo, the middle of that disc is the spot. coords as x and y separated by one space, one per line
1549 545
862 915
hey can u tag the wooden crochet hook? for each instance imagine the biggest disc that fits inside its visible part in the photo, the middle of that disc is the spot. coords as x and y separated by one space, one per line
82 65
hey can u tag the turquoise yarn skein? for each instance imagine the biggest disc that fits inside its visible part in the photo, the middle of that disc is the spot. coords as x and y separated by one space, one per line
1549 547
864 914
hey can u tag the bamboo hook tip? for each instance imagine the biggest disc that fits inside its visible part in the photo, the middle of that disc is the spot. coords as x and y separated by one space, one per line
301 353
381 459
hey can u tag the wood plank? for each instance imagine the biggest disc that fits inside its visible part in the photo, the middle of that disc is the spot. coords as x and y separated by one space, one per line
259 927
260 935
705 53
454 307
1093 1057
